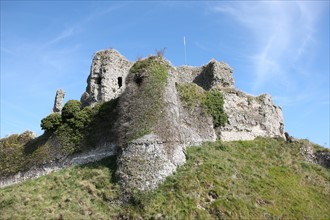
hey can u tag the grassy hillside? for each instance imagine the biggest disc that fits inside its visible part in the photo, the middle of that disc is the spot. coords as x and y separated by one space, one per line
264 179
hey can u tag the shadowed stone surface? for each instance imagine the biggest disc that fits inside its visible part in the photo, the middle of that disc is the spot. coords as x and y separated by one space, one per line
215 74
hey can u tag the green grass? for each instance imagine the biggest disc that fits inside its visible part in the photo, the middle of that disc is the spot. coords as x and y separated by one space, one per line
75 193
264 178
260 179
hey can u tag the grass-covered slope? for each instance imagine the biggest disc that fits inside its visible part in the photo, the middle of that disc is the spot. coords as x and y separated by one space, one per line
260 179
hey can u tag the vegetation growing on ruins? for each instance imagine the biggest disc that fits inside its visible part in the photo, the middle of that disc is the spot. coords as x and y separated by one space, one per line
147 101
51 122
212 101
74 131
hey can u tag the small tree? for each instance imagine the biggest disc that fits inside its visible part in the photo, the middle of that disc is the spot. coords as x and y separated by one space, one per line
51 122
81 118
70 109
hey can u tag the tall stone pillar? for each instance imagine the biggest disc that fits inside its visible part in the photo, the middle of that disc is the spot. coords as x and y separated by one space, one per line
58 101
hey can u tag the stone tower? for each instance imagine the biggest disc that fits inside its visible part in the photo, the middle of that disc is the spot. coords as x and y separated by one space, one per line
106 80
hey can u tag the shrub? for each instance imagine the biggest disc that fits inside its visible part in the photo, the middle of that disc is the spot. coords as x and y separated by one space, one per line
86 127
69 139
81 118
105 110
51 122
10 142
70 109
81 130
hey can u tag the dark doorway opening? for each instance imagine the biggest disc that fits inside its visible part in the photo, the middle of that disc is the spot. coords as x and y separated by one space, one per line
120 82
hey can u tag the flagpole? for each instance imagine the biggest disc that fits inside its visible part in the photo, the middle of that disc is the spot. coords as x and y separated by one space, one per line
185 51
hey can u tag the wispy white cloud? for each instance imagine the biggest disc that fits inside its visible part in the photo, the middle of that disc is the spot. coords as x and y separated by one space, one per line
66 33
78 26
282 32
104 11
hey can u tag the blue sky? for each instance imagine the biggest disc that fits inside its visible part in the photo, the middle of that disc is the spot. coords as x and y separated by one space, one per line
280 48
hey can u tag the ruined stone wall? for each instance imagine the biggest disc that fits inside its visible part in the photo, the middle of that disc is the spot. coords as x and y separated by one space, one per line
212 74
146 160
107 77
187 74
215 74
250 117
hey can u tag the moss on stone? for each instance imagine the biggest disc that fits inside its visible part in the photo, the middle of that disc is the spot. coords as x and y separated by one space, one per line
211 101
191 94
148 79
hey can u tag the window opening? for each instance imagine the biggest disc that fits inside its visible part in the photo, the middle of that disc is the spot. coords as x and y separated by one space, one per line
98 80
120 82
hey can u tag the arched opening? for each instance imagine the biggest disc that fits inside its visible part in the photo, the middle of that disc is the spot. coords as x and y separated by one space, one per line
120 82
